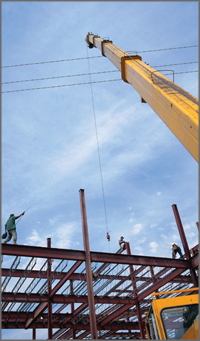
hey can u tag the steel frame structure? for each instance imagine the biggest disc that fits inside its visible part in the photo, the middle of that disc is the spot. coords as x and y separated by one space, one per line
89 295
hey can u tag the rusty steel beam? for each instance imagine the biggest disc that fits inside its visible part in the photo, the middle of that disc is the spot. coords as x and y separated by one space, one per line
73 276
99 257
181 231
37 298
14 315
144 294
184 243
52 293
79 326
139 315
41 252
65 278
34 333
91 303
48 292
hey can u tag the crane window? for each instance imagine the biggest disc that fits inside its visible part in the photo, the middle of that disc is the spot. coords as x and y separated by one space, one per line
152 327
177 320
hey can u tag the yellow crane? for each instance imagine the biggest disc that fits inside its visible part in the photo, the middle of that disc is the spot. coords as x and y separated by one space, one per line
177 108
175 317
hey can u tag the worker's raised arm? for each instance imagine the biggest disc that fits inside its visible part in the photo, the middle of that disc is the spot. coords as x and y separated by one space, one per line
19 215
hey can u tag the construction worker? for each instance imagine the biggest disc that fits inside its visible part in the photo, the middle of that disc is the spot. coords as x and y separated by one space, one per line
122 243
175 248
94 276
11 228
108 236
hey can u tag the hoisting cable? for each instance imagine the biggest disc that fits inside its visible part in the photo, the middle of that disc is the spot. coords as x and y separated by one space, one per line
94 114
21 216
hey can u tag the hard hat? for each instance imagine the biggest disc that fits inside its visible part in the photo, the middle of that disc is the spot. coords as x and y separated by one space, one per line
4 235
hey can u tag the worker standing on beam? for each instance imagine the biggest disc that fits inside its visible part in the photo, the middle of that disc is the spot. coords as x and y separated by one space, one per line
11 228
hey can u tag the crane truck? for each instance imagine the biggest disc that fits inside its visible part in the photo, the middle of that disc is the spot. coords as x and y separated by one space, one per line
175 317
177 108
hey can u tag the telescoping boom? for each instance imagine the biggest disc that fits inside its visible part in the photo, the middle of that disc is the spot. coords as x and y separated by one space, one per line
177 108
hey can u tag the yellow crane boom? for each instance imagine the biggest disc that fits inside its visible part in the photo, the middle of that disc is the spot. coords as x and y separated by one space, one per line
177 108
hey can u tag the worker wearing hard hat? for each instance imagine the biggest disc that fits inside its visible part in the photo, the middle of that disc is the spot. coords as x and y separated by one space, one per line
175 248
11 228
122 243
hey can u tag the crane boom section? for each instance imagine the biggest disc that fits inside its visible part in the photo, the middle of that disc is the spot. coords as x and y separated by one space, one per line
177 108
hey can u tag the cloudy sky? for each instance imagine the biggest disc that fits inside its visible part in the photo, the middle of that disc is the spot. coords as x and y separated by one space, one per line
49 140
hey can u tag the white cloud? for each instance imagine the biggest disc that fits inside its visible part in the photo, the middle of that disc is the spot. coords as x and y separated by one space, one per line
63 236
187 226
35 239
159 193
143 240
153 225
153 247
164 236
130 220
136 229
139 248
191 235
175 237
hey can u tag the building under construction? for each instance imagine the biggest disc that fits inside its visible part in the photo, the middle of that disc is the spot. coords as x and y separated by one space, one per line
89 295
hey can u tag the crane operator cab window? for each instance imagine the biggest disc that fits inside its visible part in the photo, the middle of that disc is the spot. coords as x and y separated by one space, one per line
177 320
152 327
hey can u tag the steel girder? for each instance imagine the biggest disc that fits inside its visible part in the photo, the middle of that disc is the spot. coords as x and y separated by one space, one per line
119 294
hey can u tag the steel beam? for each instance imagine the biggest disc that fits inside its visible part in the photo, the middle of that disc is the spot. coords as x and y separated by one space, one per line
99 257
41 252
34 332
184 243
48 292
91 303
143 294
139 315
79 326
42 306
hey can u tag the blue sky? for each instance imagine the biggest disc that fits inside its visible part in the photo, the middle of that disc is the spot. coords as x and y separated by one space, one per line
49 145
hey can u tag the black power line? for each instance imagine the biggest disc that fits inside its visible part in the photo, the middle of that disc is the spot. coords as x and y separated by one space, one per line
87 74
64 85
72 59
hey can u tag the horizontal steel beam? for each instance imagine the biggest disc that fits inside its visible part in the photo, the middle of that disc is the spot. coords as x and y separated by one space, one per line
79 325
54 253
143 294
81 277
37 298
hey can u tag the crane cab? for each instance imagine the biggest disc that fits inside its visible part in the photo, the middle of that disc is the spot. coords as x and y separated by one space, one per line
174 317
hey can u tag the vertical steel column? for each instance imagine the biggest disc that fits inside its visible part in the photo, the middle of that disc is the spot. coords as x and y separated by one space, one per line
48 292
139 315
184 243
72 311
197 225
93 325
34 332
153 278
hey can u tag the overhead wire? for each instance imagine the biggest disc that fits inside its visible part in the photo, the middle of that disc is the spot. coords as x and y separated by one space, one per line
93 73
72 59
59 86
83 83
